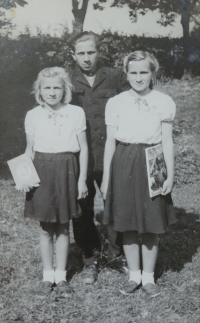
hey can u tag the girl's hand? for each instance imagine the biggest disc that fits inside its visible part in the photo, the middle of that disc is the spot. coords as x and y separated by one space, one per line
104 188
30 154
25 187
82 189
167 186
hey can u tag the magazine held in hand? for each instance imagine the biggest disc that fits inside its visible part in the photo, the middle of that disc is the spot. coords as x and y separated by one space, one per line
23 171
156 169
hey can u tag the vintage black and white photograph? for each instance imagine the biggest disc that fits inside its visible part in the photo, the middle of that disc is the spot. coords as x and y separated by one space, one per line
100 161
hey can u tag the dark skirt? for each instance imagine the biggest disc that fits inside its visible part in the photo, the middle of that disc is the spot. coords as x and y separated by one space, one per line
128 203
55 200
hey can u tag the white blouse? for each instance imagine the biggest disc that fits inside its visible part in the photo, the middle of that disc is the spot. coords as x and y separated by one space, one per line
138 118
55 131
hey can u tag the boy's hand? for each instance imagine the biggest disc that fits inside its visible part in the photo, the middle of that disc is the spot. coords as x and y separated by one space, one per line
104 188
167 186
82 189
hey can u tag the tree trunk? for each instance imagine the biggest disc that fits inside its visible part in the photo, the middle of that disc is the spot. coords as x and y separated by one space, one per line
79 14
185 20
187 6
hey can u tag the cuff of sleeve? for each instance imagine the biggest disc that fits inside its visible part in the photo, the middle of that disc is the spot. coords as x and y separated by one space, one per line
29 133
80 130
111 124
168 121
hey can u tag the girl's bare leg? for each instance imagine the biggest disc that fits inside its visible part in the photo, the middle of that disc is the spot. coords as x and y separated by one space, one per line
149 251
149 257
132 250
46 245
62 245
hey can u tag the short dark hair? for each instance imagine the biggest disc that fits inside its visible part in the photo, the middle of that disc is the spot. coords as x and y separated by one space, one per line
84 36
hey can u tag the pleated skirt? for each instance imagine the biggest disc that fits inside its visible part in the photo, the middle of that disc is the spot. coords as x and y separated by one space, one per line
55 200
128 203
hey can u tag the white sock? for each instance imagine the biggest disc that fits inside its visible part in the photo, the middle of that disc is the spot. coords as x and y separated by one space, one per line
136 276
48 275
147 278
60 275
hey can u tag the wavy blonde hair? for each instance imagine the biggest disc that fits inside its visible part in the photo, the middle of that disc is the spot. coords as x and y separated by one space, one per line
53 72
140 55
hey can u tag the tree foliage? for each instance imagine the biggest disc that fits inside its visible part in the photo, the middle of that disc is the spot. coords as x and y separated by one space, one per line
189 10
34 53
7 5
168 9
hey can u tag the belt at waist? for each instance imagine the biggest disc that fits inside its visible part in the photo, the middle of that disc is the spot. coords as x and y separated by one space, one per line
138 144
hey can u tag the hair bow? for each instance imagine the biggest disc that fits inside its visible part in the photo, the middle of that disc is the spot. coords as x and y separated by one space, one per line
55 115
141 102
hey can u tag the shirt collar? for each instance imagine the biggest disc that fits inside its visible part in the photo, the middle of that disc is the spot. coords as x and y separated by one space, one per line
48 109
137 96
99 78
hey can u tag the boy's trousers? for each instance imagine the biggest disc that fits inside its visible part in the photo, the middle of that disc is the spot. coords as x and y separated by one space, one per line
85 231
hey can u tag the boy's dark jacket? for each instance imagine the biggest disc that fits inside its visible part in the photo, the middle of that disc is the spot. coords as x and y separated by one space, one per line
108 83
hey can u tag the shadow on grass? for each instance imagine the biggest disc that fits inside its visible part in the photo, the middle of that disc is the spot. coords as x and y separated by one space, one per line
4 171
75 264
178 244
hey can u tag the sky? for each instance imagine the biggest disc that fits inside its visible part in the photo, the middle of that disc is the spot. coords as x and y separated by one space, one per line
51 15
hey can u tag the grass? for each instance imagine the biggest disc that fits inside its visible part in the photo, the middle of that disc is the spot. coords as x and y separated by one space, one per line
178 265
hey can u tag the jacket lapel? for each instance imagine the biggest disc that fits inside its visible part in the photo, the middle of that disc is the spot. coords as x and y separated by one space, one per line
100 77
80 77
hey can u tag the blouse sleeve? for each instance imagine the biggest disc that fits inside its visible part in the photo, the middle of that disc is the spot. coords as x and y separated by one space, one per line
168 110
111 113
80 121
29 124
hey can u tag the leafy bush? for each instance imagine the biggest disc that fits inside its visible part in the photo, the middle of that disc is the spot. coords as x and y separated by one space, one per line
22 59
42 51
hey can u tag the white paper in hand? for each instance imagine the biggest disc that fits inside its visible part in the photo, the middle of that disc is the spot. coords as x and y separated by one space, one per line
23 171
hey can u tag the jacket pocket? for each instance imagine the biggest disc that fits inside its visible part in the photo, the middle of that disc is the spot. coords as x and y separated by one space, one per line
79 91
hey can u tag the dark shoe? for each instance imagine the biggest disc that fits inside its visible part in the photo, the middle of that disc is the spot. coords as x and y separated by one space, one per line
152 290
119 263
45 289
64 289
89 274
129 287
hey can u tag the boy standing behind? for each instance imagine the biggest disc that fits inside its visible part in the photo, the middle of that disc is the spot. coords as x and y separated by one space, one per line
93 86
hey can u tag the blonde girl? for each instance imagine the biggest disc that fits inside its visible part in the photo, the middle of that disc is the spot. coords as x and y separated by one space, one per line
136 119
55 132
